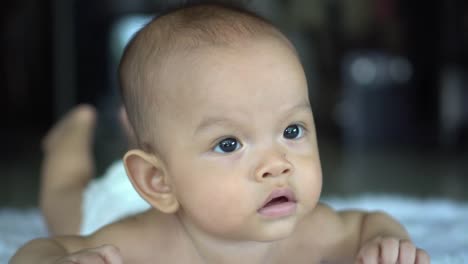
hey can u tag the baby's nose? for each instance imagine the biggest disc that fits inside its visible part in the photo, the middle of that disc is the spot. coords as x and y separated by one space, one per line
273 165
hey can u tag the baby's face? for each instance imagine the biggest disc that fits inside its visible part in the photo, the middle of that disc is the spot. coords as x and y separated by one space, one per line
235 126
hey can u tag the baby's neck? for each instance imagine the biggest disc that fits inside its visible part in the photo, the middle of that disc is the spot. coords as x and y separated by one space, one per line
209 249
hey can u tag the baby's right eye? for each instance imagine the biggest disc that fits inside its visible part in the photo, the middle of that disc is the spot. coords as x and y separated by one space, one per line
227 145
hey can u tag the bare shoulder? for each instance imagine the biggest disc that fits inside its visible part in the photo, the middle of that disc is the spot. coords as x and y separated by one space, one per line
332 231
132 236
135 236
344 221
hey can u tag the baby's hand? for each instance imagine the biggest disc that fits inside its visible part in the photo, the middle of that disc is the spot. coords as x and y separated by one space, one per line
101 255
391 250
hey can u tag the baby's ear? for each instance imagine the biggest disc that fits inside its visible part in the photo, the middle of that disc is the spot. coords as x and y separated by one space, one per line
148 176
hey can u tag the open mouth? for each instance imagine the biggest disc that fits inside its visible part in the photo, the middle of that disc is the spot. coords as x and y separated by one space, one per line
281 202
277 200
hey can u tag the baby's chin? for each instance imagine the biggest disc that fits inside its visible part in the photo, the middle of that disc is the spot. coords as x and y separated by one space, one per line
261 231
278 229
278 233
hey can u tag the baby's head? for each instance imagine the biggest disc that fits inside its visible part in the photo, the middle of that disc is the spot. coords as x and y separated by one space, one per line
179 38
218 101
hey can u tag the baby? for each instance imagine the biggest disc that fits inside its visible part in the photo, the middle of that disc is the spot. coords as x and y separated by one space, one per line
227 156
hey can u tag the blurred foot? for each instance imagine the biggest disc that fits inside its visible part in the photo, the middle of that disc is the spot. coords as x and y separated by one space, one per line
67 168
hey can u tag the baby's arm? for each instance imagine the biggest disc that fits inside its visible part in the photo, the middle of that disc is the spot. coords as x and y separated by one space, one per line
125 236
384 240
64 250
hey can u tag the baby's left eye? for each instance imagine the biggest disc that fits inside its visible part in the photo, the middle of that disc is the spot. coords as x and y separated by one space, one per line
293 132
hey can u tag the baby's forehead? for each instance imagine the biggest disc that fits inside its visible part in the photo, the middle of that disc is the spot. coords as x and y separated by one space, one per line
206 61
228 72
182 59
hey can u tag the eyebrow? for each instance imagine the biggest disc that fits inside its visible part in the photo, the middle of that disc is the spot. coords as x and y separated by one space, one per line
212 121
303 106
220 120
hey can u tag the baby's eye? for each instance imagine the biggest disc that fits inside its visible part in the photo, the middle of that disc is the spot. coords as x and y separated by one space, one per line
227 145
293 132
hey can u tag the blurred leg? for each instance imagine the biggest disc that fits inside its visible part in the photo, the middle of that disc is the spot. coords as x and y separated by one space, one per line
67 168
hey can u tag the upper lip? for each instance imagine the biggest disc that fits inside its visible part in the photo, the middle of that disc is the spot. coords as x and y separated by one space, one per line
286 192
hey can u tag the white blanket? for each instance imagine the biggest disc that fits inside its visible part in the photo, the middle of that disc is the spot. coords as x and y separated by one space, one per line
440 226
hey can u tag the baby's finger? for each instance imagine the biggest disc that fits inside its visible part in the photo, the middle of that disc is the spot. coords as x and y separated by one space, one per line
368 255
85 257
389 250
422 257
407 253
110 254
101 255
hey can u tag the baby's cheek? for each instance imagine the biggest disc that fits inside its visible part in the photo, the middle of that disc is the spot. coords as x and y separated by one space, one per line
222 204
309 184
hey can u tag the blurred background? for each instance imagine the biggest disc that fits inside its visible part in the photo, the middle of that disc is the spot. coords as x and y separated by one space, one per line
388 84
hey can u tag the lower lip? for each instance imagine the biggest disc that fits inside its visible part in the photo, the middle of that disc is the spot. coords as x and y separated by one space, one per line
278 210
